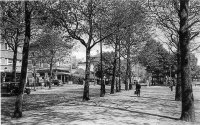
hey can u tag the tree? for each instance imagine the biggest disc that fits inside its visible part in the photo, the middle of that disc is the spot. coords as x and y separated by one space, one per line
117 16
182 24
82 20
156 59
114 41
165 15
187 113
12 28
22 83
51 47
107 61
193 66
31 10
131 46
130 19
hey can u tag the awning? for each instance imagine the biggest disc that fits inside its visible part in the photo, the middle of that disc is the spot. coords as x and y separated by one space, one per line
63 73
83 76
53 70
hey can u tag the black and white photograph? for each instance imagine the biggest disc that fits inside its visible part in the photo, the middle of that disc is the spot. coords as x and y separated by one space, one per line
100 62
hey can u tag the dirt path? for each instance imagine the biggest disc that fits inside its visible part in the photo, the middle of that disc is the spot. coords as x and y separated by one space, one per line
64 105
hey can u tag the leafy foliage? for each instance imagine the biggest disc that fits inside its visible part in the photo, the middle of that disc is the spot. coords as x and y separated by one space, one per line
50 47
108 62
156 59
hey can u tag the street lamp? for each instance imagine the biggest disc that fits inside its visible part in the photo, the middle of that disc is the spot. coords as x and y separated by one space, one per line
34 73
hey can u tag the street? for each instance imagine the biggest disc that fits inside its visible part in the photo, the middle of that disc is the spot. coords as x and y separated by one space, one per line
64 105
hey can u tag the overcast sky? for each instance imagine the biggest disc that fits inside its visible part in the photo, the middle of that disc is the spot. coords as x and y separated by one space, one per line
80 51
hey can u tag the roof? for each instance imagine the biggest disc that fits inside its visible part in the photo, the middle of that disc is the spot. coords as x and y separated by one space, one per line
66 71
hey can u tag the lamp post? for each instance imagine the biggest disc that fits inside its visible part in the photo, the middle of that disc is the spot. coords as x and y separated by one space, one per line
34 65
34 73
34 76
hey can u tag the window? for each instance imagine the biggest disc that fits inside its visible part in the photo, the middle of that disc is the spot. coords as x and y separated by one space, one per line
10 61
6 46
19 49
58 64
19 62
9 48
41 64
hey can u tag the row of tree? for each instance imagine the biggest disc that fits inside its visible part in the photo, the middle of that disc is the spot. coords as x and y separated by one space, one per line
179 20
125 25
87 22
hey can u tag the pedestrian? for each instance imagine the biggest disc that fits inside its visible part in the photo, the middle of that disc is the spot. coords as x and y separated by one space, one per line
171 85
147 81
138 87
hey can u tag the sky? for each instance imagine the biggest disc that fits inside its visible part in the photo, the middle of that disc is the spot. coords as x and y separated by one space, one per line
79 51
198 57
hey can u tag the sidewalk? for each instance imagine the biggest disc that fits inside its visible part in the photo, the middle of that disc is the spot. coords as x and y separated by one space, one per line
156 106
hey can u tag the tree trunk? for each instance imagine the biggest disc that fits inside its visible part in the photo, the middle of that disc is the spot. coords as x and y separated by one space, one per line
103 90
130 85
127 76
87 76
114 71
51 72
127 69
14 64
178 79
118 56
22 84
119 67
187 113
117 85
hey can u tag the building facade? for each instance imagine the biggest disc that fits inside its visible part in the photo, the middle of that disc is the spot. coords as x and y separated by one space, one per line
6 58
60 69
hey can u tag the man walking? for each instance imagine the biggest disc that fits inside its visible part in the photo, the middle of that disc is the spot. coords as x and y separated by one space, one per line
138 87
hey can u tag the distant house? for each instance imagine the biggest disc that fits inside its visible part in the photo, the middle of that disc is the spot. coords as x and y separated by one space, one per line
61 70
6 61
139 72
93 62
6 58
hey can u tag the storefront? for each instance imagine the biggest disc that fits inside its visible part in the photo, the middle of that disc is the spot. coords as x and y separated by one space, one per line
60 74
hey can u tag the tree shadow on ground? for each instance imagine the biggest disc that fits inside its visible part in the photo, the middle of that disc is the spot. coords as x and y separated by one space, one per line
88 113
154 98
38 101
132 111
49 117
